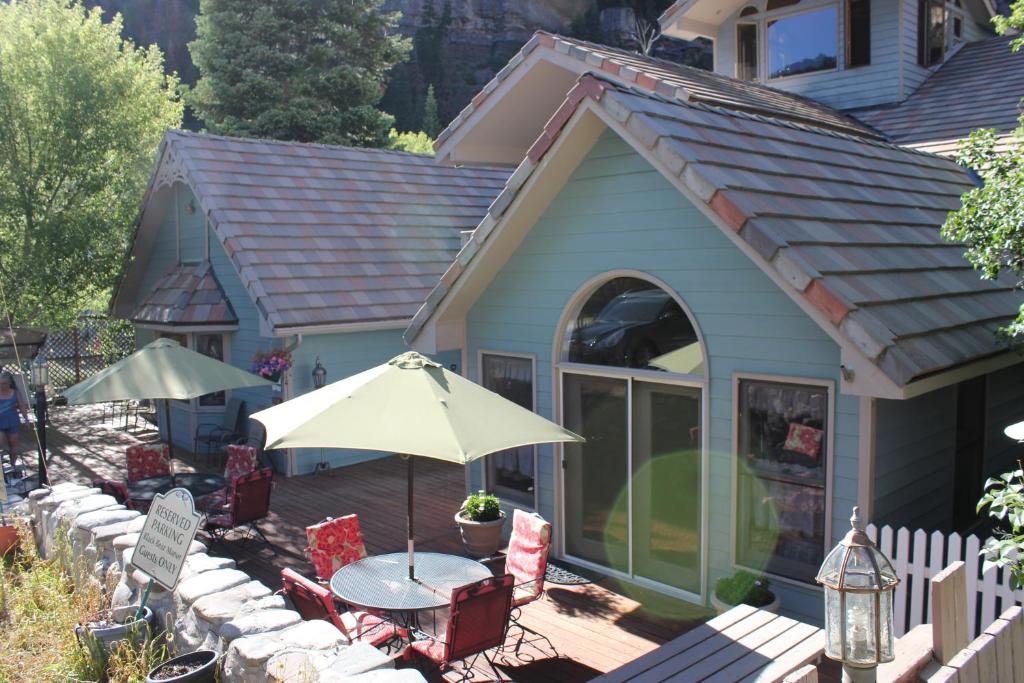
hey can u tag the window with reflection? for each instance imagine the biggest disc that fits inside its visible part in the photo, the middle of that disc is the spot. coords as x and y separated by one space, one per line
211 345
510 473
783 445
931 31
632 323
746 51
802 42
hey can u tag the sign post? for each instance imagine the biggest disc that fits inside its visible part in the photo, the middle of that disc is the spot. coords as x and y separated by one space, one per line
170 528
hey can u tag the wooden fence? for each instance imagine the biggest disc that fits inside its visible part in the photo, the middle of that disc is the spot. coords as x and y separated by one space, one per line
918 556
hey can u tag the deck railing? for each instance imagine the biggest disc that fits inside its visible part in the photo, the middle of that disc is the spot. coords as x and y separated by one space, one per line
918 556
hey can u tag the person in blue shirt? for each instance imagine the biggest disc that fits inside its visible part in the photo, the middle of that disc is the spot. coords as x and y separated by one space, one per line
11 405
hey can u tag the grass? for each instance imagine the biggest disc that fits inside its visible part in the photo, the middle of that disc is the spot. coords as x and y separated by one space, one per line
39 608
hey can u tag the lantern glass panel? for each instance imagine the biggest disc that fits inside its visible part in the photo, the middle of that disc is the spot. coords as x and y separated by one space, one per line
833 624
886 645
861 646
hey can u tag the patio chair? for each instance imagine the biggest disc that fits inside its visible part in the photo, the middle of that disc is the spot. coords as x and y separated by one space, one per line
478 620
527 560
215 437
249 504
313 602
334 543
241 461
142 461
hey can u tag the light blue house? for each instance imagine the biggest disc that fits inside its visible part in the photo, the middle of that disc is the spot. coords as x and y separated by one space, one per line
244 246
736 293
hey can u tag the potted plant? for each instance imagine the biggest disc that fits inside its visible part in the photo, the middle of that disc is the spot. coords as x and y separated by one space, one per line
744 588
8 532
480 520
272 364
101 634
194 667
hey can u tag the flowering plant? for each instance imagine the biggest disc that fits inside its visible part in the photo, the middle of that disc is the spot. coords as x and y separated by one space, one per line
272 363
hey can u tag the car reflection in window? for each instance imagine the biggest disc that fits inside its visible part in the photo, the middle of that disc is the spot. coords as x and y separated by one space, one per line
631 329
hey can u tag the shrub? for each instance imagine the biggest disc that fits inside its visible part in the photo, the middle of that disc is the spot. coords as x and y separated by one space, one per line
743 588
481 507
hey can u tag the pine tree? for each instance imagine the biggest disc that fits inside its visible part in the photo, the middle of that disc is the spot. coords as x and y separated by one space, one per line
304 70
431 122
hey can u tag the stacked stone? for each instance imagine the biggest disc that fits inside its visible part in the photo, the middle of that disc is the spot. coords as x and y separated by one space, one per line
214 605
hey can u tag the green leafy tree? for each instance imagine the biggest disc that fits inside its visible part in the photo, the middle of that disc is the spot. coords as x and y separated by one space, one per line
295 69
417 143
81 114
431 121
990 220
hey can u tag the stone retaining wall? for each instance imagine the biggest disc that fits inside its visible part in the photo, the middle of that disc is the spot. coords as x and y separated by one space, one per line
214 606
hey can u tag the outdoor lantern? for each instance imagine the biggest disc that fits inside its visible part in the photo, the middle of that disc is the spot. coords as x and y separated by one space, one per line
859 582
40 371
319 375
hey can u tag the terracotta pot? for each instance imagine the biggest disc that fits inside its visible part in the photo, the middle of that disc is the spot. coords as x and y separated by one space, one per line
481 539
722 607
8 539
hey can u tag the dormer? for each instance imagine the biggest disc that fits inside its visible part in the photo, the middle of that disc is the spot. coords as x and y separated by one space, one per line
846 53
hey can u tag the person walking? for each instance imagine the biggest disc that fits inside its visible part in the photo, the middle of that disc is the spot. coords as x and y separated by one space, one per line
11 404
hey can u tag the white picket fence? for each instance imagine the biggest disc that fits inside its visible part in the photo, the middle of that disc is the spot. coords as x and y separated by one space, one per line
917 556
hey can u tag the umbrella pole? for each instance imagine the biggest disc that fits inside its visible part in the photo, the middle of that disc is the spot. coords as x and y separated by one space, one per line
170 439
408 520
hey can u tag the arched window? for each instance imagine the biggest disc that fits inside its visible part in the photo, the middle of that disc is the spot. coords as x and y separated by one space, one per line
632 323
632 382
780 4
748 11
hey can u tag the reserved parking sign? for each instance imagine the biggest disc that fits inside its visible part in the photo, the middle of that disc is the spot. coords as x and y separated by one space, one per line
170 527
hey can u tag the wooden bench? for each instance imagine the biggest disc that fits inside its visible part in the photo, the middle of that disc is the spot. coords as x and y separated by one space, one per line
744 644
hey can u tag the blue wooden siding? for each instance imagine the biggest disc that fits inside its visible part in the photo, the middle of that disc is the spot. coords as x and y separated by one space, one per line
617 212
915 444
1005 406
874 84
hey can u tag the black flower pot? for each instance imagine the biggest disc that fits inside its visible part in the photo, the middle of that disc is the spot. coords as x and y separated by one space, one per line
206 673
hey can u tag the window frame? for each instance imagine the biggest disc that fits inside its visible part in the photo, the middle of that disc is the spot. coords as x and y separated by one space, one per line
193 405
848 36
761 20
830 387
486 473
922 32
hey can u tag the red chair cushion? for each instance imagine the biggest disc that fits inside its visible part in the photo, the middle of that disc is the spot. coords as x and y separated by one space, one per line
335 543
148 461
527 558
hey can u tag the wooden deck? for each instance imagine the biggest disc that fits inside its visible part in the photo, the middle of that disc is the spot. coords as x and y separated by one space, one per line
592 628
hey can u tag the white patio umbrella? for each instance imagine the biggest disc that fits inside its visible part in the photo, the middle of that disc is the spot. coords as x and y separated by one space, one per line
162 369
411 406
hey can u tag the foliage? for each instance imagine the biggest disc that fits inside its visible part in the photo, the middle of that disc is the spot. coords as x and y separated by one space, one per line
81 114
271 364
1014 21
295 70
1004 498
417 143
431 122
990 220
744 588
481 507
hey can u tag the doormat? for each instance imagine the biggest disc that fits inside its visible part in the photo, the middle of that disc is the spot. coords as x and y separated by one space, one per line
562 574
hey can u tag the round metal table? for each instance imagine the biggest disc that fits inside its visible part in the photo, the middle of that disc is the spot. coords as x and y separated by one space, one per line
381 582
196 483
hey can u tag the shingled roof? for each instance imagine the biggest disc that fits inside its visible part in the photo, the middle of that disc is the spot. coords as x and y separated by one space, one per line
979 87
851 223
672 80
324 235
188 294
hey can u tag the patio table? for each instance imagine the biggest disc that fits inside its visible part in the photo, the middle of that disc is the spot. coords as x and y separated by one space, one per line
381 583
196 483
744 644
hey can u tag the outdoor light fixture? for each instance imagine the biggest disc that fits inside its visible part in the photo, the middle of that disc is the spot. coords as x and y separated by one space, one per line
859 582
319 375
319 379
40 376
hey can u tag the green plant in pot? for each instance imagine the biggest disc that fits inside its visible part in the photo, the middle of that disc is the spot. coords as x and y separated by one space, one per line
744 588
480 521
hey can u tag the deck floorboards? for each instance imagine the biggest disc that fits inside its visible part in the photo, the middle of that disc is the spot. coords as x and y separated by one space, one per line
592 628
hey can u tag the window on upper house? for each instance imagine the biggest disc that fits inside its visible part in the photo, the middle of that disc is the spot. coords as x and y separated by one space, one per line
782 457
802 42
931 32
954 24
858 33
746 52
211 345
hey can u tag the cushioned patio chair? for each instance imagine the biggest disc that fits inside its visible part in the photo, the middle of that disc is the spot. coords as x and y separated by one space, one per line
477 623
249 504
241 461
216 437
334 543
526 560
143 461
313 602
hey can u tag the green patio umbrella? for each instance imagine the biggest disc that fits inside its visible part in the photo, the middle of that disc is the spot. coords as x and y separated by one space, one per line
412 406
162 369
